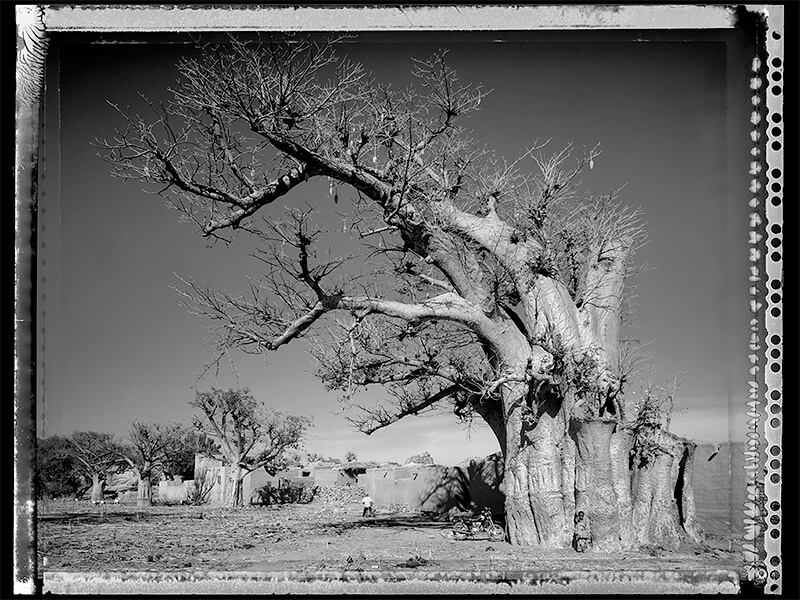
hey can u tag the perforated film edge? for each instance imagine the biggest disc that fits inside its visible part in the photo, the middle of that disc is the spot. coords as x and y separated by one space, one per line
753 515
752 547
773 315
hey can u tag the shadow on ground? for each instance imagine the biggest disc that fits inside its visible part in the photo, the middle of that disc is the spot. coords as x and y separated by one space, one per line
117 515
95 519
400 521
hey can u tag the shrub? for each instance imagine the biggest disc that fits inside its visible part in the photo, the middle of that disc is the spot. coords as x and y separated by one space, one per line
287 492
203 484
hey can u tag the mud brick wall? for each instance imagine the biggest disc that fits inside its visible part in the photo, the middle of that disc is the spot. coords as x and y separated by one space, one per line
433 488
222 476
128 497
325 477
172 491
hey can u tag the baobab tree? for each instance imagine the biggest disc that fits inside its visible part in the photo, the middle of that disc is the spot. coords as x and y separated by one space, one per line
496 288
97 454
250 435
181 460
150 445
57 472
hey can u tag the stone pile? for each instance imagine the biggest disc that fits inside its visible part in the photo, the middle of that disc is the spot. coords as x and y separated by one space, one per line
330 494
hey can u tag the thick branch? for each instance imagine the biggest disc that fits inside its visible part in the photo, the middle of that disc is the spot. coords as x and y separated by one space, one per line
347 173
445 306
605 281
384 420
249 205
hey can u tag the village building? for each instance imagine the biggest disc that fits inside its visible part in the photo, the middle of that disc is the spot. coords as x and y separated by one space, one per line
472 485
218 479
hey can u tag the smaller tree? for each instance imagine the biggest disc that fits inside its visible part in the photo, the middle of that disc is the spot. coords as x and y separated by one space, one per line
250 435
150 445
421 459
181 460
662 466
57 473
97 454
315 457
350 457
296 458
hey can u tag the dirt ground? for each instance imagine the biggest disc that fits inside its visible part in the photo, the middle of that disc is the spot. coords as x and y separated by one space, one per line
79 536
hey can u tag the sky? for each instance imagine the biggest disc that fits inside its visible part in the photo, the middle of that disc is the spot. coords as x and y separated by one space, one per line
117 346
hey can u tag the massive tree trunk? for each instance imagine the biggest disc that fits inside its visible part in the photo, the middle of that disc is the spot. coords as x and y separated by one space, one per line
98 487
655 514
685 491
236 490
535 513
145 491
621 447
557 466
595 494
534 500
663 501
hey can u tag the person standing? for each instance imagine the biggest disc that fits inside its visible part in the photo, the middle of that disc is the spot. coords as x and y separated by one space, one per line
367 502
583 536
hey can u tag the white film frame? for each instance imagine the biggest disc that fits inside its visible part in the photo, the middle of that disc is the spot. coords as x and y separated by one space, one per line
35 23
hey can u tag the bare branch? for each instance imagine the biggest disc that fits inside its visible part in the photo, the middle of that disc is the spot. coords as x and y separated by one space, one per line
383 419
463 276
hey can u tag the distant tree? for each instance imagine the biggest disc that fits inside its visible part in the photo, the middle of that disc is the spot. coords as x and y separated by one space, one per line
315 457
250 435
57 473
350 457
421 459
149 446
180 461
296 458
97 454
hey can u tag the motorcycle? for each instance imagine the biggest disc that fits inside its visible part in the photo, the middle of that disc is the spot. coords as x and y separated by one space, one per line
480 527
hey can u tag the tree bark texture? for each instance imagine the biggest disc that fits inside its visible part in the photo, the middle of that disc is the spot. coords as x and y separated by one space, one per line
235 490
552 472
594 482
620 449
688 510
98 486
655 512
144 492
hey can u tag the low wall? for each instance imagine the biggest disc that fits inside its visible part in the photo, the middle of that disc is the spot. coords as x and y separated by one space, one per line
326 477
222 477
430 488
173 492
128 497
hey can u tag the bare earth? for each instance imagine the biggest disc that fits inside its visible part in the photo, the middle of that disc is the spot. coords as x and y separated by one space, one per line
308 538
